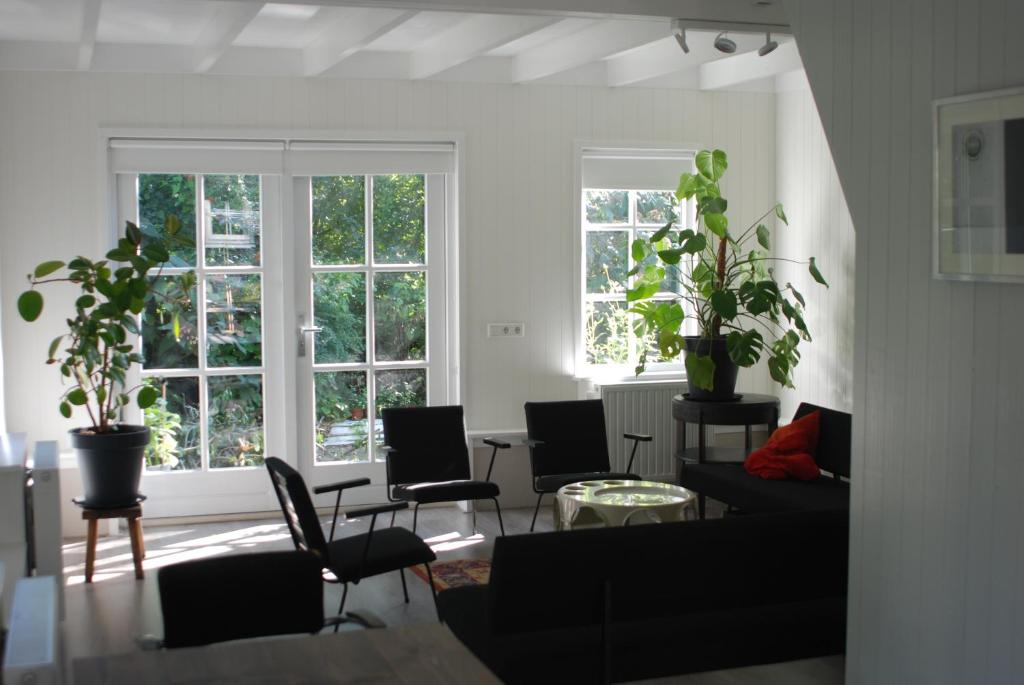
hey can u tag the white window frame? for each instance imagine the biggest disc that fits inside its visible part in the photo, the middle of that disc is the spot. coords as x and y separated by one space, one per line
684 153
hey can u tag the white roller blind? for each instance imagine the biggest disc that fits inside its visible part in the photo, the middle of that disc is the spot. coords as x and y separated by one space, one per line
167 156
635 169
309 158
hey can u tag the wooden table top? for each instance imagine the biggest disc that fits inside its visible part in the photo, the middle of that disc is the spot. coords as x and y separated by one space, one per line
418 655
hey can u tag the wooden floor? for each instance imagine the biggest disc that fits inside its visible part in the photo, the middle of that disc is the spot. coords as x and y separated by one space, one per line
106 616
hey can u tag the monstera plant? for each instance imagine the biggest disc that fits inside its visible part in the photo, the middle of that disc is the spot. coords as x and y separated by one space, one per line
96 352
724 279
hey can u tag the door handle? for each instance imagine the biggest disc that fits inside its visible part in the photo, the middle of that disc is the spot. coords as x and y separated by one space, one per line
303 330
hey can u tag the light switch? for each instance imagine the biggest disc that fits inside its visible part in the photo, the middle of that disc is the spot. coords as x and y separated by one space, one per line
505 330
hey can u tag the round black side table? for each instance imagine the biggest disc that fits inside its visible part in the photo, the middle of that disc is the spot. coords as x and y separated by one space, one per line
749 410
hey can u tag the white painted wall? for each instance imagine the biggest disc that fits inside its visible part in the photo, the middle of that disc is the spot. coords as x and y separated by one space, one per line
819 225
517 184
937 545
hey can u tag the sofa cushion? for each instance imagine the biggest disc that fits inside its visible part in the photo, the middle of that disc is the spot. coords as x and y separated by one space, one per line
649 648
730 483
789 452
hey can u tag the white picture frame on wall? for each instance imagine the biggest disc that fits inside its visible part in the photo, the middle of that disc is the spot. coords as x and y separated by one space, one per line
978 187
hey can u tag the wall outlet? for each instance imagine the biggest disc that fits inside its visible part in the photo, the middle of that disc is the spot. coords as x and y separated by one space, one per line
505 330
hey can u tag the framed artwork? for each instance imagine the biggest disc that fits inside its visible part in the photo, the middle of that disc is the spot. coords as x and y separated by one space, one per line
979 186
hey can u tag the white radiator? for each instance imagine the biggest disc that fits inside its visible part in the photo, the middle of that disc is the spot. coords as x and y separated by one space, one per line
643 408
33 652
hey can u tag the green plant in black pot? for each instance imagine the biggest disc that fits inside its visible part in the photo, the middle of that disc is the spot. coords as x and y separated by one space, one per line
724 283
97 351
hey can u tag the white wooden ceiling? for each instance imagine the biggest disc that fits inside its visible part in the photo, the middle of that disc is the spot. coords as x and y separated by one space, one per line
401 41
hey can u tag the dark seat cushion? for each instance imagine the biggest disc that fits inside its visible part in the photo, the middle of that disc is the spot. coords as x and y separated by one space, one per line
447 491
730 483
648 648
553 482
390 550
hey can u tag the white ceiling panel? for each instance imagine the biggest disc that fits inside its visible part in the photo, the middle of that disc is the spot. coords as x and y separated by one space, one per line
161 22
40 20
282 26
547 34
417 32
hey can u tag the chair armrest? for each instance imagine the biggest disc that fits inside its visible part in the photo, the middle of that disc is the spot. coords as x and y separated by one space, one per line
639 437
496 444
531 442
375 509
341 485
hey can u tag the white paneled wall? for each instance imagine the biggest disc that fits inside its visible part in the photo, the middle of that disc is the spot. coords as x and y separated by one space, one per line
819 226
937 545
518 228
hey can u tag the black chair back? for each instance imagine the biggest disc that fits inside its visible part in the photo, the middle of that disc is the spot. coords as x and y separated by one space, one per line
240 596
834 438
297 506
573 434
429 444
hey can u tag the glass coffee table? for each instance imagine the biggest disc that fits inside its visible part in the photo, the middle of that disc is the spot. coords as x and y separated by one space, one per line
596 503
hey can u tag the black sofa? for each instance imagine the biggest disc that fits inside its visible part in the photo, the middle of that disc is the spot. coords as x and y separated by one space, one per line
674 598
728 482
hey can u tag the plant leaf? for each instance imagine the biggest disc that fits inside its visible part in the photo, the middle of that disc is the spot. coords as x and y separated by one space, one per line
797 295
661 233
714 205
147 397
724 304
53 347
711 164
688 185
77 397
717 224
744 348
172 225
639 250
671 256
762 236
30 305
695 244
132 232
815 274
65 410
700 370
47 268
781 214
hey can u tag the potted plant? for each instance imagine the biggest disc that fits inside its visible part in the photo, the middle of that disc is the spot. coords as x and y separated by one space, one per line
95 355
726 285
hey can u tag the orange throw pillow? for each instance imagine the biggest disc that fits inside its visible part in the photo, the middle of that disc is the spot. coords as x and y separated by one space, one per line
789 452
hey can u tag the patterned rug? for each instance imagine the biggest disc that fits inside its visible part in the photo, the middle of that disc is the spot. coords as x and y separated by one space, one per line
456 573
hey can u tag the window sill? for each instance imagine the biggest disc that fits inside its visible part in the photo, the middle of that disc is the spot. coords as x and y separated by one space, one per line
615 377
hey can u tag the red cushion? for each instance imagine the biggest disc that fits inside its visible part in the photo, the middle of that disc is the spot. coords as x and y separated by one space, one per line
789 452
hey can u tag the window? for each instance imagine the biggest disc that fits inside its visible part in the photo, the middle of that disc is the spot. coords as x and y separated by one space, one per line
625 195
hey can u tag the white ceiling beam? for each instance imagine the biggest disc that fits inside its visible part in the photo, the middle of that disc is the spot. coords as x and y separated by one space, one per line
472 38
649 61
346 32
740 69
744 11
87 37
220 32
591 44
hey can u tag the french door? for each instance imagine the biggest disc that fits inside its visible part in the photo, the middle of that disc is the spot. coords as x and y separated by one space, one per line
370 312
319 299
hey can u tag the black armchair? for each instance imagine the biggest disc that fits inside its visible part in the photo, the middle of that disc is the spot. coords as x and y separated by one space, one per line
568 443
354 557
244 596
428 459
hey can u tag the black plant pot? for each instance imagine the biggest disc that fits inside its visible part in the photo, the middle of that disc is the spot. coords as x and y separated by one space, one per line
111 464
726 370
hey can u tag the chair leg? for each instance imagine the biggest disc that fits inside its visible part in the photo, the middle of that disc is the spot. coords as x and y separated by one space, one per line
393 519
405 589
536 509
473 504
433 591
497 508
700 507
415 516
341 607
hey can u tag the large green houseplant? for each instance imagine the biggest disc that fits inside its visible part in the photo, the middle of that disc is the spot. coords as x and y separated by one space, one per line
96 352
723 282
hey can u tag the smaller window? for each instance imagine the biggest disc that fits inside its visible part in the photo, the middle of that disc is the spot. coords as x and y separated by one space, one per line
625 196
